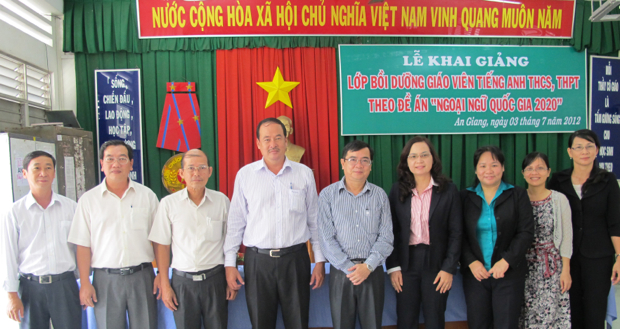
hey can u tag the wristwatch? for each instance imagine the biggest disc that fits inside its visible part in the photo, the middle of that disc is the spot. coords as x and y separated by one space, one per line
370 268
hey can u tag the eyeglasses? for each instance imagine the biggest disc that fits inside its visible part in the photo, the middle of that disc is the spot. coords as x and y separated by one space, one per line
199 168
121 160
530 170
353 161
422 156
589 148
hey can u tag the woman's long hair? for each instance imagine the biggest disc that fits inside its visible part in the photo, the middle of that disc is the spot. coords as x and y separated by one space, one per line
406 180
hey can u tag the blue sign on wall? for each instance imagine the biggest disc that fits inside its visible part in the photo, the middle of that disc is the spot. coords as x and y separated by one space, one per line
605 109
119 113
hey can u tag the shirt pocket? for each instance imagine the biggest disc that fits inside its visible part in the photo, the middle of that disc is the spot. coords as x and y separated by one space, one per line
370 219
297 200
213 230
65 227
139 218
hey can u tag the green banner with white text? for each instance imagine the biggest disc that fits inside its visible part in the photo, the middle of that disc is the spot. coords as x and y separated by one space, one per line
417 89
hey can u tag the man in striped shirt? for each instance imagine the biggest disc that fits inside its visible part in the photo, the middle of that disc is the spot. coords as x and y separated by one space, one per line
355 232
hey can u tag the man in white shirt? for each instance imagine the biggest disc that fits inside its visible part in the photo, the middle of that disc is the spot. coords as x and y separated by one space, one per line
110 228
274 212
40 263
193 221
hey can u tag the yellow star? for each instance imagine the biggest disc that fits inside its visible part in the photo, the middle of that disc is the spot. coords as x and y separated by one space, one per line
278 89
195 118
180 122
189 86
172 87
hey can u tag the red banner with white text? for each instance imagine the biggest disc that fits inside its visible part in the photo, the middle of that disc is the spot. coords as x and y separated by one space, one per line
463 18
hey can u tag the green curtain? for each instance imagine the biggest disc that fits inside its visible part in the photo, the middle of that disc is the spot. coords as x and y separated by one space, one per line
103 35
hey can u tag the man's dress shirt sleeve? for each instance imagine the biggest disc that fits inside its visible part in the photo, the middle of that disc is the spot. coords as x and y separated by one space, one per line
11 252
237 221
385 241
312 213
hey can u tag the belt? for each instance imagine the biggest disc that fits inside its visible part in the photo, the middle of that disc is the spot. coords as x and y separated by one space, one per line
127 270
199 276
47 279
358 260
545 253
275 253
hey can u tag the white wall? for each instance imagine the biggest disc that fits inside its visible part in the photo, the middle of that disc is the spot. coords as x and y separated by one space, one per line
22 46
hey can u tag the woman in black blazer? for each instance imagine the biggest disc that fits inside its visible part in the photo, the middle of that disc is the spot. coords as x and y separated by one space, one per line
594 199
498 229
427 247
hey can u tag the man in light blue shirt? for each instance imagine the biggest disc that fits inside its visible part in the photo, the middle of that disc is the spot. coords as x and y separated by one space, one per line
273 212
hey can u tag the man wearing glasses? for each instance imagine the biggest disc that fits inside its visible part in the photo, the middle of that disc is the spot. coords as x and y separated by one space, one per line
110 228
355 231
273 211
193 221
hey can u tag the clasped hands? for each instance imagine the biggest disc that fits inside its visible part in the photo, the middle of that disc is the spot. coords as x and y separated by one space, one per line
497 271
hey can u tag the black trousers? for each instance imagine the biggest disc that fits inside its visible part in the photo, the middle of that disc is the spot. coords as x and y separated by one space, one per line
418 289
58 301
349 302
589 291
493 303
271 281
201 301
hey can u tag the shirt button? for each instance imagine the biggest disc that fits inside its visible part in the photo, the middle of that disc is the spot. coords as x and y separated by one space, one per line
357 226
356 211
358 240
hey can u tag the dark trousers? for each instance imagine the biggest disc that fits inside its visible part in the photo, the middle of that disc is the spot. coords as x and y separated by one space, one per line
418 289
271 281
349 302
589 291
122 296
201 300
58 301
493 303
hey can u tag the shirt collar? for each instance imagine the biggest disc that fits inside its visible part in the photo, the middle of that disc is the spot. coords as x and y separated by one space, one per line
341 186
104 186
503 186
262 164
185 195
430 186
30 200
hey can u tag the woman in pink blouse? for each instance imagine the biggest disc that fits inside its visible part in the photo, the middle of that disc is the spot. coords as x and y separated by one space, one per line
426 216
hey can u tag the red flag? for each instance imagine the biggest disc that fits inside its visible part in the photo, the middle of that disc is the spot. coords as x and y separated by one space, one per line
241 105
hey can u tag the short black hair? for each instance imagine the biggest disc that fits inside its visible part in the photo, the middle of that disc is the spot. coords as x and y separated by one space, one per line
34 155
496 153
357 145
532 157
191 155
586 134
270 120
115 142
